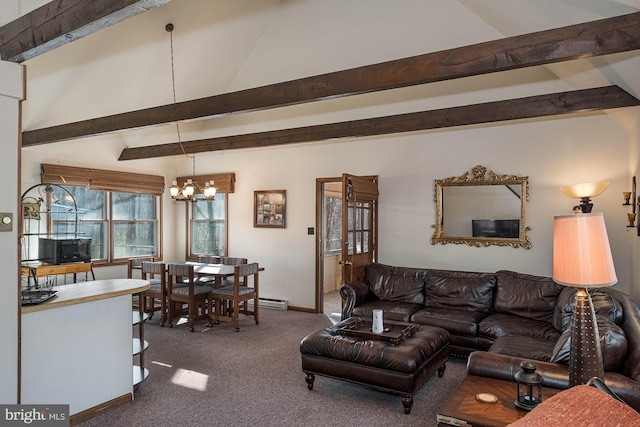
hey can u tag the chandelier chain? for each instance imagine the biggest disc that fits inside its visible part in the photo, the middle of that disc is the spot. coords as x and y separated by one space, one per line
190 188
169 28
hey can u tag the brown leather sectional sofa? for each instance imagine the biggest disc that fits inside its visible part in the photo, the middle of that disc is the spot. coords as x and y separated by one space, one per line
504 317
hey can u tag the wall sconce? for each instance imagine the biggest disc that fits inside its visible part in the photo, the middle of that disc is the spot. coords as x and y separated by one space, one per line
631 200
585 192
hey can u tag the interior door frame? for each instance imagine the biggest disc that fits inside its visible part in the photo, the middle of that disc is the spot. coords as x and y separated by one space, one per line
319 233
369 185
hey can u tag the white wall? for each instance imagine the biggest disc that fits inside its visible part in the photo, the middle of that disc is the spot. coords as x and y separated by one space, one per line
10 95
551 153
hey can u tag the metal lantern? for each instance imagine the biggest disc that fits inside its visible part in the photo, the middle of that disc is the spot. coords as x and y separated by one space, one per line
529 386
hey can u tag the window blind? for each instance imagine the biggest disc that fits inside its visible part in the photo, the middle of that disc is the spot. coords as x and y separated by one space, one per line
98 179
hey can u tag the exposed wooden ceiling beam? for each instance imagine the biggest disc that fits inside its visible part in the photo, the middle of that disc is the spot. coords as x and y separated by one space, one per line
589 39
522 108
62 21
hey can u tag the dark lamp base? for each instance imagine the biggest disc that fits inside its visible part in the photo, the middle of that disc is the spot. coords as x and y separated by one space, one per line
586 355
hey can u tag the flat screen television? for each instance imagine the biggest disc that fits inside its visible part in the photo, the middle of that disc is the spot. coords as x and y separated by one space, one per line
509 228
61 251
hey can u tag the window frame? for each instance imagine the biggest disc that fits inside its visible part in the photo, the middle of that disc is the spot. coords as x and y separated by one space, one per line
191 221
111 182
224 183
110 223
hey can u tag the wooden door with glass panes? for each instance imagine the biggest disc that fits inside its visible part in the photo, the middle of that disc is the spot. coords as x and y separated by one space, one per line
359 224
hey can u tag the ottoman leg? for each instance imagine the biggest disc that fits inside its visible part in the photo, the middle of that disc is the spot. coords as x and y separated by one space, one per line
407 403
441 370
309 378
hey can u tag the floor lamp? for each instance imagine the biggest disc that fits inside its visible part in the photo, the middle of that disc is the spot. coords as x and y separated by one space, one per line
582 259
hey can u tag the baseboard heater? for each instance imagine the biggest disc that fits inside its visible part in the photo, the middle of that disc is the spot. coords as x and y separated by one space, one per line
276 304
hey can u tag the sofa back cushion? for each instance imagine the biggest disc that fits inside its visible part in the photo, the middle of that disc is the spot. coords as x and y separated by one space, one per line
525 295
604 304
399 284
460 289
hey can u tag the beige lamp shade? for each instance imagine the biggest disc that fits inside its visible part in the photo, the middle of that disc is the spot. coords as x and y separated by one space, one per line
581 253
587 189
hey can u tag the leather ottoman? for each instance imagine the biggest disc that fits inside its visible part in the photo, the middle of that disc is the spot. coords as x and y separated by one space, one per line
400 367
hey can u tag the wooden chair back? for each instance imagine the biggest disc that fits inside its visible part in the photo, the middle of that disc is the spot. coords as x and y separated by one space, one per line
196 297
231 301
156 274
136 264
152 269
242 272
232 260
209 259
179 273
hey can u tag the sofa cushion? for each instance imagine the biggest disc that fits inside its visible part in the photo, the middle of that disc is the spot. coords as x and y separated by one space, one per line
613 344
525 295
400 284
521 346
604 304
400 311
456 321
460 289
499 324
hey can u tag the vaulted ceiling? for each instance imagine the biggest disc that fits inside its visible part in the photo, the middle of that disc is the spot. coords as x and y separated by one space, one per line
251 57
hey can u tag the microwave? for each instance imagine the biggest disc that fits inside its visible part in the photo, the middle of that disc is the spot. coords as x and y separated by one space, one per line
61 251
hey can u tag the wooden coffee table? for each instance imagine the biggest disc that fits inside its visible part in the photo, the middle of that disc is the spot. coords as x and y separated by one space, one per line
463 410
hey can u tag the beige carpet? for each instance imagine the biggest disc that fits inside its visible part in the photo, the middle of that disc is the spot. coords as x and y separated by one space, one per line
218 377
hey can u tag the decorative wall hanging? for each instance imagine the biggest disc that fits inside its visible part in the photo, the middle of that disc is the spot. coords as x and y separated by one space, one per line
269 208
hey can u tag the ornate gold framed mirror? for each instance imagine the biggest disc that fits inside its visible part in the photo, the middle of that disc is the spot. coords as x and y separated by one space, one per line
483 209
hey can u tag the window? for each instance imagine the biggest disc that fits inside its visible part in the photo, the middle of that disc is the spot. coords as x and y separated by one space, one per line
209 226
135 225
121 212
129 221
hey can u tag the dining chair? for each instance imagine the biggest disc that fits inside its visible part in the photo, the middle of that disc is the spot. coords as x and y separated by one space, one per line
135 264
236 297
204 279
209 259
228 260
155 298
194 296
231 261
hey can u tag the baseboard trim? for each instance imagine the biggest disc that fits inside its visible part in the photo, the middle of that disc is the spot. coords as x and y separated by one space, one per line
99 409
304 309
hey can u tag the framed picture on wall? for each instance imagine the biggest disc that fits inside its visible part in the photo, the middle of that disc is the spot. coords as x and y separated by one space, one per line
269 208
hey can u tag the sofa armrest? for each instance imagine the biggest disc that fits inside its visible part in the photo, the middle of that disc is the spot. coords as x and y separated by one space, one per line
555 375
353 294
504 367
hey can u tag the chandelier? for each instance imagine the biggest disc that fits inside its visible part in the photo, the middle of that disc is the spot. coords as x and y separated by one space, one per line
190 190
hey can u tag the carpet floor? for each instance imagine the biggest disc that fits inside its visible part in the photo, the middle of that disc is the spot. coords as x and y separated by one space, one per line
216 376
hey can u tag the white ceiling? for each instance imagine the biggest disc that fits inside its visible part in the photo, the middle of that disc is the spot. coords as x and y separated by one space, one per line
227 45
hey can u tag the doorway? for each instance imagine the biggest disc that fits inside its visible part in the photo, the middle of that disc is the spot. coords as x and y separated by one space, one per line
329 246
346 235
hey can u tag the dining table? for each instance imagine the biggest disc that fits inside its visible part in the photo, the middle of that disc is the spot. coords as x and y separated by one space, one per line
217 271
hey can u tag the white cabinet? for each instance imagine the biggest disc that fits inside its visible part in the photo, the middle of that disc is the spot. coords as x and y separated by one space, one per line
77 347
